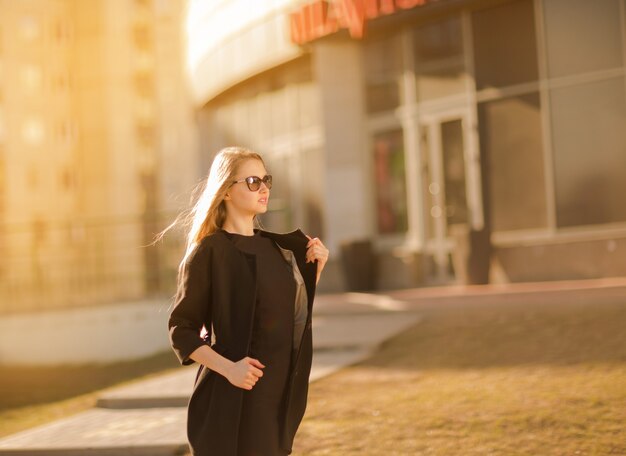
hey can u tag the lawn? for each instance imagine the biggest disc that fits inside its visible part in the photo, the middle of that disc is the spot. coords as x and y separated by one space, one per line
482 377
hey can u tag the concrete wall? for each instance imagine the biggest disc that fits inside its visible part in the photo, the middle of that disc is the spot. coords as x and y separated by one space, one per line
560 260
85 335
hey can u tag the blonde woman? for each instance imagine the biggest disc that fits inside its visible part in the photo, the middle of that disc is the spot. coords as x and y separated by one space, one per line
242 311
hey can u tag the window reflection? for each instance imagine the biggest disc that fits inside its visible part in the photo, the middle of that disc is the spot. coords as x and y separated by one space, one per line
452 150
383 68
439 61
589 31
390 182
510 139
590 152
505 48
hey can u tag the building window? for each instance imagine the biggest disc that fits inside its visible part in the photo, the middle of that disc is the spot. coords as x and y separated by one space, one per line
144 83
452 151
62 31
143 3
66 133
505 49
146 134
511 146
589 142
67 179
390 182
142 36
582 36
61 81
308 104
33 132
29 28
280 212
31 77
439 61
383 69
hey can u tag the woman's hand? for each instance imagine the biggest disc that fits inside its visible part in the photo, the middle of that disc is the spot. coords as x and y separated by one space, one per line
316 251
245 372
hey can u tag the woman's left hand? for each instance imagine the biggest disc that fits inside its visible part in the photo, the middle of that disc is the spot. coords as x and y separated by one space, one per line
316 250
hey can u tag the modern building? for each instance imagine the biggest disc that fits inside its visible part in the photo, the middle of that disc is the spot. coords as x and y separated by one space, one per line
469 140
97 143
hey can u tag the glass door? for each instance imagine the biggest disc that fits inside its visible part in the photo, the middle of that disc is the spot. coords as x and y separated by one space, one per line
449 175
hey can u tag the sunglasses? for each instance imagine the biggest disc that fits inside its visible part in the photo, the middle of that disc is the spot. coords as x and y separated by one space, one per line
254 182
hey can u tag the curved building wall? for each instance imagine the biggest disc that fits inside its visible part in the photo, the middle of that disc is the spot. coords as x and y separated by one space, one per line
231 40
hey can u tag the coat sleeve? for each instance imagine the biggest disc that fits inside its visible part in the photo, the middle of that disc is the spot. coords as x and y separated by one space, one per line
192 306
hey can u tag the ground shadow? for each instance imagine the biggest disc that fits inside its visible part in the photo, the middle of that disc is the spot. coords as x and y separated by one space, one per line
24 386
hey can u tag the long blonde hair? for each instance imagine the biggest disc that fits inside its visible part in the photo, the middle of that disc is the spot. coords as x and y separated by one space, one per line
208 213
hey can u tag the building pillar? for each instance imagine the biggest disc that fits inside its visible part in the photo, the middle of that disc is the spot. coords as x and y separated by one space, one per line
348 190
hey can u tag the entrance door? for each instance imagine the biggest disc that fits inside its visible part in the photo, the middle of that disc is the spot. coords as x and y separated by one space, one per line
451 189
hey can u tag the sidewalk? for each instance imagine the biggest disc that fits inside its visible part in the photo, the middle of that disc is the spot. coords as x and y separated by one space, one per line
149 417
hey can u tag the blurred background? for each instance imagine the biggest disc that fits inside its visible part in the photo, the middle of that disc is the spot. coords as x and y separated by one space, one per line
427 143
431 145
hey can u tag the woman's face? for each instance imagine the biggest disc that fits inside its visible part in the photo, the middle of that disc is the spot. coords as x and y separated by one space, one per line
242 200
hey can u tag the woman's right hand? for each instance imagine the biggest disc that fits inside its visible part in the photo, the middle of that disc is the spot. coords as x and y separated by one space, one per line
245 372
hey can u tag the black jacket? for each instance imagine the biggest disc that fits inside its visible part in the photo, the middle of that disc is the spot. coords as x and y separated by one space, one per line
220 294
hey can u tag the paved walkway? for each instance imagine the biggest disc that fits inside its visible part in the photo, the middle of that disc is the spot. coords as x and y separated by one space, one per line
148 417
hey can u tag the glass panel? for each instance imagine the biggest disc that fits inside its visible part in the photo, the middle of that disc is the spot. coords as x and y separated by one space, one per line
582 36
589 142
505 49
308 104
382 96
311 189
439 64
279 216
390 182
510 137
430 188
383 67
280 112
454 171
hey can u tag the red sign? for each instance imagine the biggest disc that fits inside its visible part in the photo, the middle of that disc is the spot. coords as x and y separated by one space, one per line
323 17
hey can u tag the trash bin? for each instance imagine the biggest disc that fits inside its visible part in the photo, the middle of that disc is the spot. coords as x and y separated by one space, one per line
359 264
471 255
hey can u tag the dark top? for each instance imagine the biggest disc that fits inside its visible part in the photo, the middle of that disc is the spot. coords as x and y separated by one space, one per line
272 339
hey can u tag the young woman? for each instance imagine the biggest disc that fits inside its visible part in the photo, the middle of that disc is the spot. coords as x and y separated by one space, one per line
242 311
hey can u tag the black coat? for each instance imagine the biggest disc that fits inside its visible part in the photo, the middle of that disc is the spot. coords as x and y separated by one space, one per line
220 294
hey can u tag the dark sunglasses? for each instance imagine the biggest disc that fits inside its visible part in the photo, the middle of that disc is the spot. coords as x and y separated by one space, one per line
254 182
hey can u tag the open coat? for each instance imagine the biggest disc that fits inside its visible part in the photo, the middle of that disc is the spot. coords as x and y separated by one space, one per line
219 282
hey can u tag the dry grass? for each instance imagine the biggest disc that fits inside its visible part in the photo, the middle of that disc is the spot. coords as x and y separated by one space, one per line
482 379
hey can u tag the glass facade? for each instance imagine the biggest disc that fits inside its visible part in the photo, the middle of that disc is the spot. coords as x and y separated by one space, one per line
498 120
550 108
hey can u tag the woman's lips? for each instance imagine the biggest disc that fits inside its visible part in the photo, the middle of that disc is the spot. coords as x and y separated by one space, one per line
263 201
